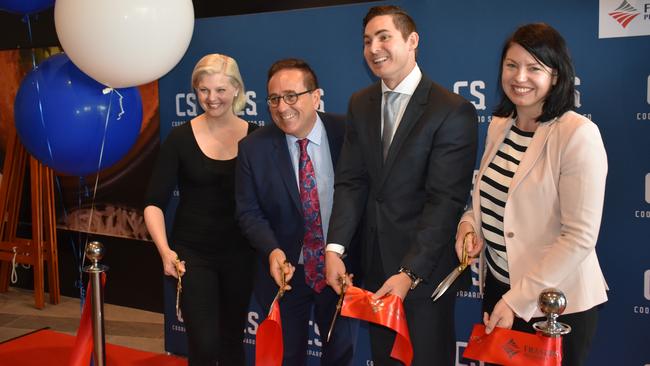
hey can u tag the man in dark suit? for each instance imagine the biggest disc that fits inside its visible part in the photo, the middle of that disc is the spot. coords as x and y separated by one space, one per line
407 163
284 213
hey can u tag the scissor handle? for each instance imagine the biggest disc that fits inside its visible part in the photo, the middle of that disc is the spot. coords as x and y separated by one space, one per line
465 254
283 282
179 275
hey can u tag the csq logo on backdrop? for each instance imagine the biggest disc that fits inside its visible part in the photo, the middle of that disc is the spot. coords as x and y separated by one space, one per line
623 18
188 106
647 188
644 213
462 361
644 309
646 285
645 116
474 92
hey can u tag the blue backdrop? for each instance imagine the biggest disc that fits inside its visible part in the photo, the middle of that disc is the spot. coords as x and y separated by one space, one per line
460 45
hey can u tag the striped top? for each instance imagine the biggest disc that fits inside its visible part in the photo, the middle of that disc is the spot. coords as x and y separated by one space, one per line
495 183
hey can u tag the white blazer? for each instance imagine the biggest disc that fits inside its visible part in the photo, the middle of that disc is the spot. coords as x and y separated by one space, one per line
552 214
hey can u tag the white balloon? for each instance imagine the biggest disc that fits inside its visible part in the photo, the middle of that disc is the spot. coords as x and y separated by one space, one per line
124 43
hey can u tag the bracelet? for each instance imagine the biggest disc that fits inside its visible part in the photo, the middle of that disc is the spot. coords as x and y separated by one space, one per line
415 280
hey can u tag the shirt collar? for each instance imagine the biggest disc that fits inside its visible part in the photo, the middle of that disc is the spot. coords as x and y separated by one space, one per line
315 135
408 85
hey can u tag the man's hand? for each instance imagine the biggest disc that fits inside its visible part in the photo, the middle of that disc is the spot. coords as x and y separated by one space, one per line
502 316
398 285
335 269
278 264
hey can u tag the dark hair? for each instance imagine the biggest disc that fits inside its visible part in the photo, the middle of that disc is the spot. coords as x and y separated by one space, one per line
402 21
547 46
309 76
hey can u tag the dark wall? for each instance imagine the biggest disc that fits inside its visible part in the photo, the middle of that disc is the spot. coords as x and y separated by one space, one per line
15 33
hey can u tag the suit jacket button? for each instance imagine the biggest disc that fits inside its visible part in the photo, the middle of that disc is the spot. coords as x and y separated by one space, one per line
510 234
380 199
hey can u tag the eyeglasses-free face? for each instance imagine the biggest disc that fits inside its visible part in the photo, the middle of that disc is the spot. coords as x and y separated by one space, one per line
289 98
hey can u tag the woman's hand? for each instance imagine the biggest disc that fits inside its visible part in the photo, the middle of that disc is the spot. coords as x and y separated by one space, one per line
466 236
502 316
170 261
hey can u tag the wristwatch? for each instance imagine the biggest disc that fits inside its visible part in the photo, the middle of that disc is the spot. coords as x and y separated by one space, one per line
415 280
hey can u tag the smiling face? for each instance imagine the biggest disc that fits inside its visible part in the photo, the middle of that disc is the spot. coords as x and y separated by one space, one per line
387 53
216 94
526 81
297 119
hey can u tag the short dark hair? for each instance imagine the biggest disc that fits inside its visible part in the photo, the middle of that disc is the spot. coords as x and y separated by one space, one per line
402 21
309 76
547 46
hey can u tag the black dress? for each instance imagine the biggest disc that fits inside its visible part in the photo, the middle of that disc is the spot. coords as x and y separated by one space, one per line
219 262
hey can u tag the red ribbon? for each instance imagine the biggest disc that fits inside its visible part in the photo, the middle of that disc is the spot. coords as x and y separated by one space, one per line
83 344
269 347
513 348
387 311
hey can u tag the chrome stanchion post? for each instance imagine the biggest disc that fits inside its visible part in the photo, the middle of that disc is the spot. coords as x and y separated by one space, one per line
95 252
552 302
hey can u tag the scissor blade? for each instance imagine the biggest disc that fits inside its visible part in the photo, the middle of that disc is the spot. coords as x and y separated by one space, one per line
339 305
446 283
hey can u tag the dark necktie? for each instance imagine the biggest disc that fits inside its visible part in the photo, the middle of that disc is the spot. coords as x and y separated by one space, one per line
313 242
390 121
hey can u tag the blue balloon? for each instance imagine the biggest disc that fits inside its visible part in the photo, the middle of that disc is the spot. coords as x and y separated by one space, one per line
25 6
74 130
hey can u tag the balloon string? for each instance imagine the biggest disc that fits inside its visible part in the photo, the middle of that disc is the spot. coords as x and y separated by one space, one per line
99 165
110 90
27 20
38 87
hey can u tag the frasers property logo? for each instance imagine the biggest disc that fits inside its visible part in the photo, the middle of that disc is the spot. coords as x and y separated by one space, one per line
625 18
624 14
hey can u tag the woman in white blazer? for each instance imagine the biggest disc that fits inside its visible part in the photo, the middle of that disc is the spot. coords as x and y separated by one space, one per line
538 198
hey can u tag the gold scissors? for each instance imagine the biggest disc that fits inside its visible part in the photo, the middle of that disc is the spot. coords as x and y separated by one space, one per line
339 304
283 284
446 283
179 289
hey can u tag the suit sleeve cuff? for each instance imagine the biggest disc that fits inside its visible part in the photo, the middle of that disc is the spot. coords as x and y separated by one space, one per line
336 248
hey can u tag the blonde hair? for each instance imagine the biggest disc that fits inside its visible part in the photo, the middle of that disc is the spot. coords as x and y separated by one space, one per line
216 63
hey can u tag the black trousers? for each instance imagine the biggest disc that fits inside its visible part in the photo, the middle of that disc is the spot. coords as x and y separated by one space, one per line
214 302
575 345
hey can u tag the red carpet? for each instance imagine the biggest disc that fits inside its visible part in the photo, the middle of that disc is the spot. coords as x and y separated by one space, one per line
46 347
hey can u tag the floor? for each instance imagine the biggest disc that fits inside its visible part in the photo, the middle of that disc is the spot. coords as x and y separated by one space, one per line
124 326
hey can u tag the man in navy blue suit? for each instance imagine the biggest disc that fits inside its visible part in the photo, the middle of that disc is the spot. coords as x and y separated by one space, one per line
271 214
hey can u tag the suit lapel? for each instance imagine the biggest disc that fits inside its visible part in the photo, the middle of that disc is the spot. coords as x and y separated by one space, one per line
374 126
284 166
533 153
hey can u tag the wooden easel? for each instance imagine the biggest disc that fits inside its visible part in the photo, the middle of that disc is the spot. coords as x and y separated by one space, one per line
41 247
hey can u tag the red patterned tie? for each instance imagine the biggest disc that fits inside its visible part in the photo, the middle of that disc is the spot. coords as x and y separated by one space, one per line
312 249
